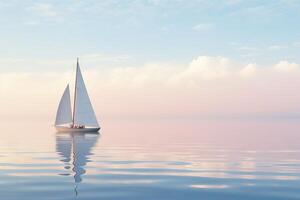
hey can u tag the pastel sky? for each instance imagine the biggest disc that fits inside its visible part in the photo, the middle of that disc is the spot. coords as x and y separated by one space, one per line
153 58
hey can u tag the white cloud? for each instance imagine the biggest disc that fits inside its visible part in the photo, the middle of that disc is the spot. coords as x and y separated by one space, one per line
209 67
233 2
290 2
96 57
249 51
31 23
45 9
165 29
296 44
276 47
248 70
247 48
202 86
203 27
13 64
234 44
199 69
286 66
262 12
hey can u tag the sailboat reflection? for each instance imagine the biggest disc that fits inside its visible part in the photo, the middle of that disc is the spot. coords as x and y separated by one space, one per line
75 151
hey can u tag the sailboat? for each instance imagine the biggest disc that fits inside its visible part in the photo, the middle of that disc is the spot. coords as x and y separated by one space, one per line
83 118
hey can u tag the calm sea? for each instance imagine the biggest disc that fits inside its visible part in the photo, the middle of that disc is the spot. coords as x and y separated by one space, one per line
152 159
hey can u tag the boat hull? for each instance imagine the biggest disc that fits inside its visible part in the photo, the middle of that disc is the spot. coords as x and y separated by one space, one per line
61 129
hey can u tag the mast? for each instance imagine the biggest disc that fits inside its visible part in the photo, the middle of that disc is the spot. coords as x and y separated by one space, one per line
74 105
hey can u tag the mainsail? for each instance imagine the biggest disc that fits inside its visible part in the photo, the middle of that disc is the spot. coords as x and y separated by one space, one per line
64 111
83 113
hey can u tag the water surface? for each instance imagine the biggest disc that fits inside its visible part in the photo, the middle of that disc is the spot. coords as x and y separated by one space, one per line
152 159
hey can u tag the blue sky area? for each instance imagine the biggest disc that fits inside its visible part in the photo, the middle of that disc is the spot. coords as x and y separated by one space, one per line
261 32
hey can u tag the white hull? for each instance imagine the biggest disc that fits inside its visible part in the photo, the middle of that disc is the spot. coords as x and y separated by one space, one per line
62 129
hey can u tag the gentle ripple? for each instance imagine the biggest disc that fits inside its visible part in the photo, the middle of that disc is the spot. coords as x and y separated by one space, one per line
81 166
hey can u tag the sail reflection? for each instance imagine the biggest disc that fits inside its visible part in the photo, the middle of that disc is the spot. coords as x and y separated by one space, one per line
75 151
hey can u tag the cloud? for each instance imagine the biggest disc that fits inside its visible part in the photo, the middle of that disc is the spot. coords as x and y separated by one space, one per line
256 12
296 44
290 2
252 51
249 70
285 66
249 51
13 64
233 2
104 57
276 47
202 27
205 86
247 48
31 23
40 13
45 9
205 67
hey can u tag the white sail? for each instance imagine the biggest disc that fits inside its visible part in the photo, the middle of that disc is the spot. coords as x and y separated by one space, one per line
64 112
83 111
